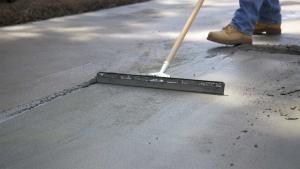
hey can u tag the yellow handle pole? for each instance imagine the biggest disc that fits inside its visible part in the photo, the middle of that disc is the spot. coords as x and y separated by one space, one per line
182 35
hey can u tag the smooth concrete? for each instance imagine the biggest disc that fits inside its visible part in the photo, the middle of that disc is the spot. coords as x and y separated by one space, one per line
253 126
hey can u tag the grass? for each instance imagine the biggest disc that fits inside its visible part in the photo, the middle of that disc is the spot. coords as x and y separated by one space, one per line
23 11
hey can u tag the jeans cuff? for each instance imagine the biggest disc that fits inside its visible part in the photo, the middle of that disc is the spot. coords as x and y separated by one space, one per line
241 29
268 21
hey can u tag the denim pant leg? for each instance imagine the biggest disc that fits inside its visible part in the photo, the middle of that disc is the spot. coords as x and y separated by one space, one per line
247 15
270 12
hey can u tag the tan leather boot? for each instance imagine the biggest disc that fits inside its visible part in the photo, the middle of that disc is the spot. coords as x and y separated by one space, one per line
268 29
229 36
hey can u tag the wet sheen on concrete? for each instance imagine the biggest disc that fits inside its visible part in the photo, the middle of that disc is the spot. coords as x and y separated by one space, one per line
255 125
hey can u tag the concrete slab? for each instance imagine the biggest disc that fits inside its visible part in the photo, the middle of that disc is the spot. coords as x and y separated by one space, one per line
107 126
254 126
41 58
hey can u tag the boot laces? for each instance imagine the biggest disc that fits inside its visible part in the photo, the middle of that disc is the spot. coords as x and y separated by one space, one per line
229 29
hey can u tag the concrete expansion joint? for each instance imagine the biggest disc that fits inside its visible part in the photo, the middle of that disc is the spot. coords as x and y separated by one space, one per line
15 111
290 92
226 51
279 49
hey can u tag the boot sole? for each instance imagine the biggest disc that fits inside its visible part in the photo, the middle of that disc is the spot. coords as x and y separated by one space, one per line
267 32
235 43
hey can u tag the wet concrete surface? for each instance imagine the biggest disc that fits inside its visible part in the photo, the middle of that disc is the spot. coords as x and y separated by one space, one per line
41 58
255 125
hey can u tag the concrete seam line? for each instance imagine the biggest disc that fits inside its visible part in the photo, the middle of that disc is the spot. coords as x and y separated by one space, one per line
20 109
280 49
272 49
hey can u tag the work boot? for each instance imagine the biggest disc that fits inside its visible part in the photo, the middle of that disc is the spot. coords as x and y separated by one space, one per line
229 36
266 28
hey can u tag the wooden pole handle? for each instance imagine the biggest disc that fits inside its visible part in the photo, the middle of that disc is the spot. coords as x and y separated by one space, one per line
183 33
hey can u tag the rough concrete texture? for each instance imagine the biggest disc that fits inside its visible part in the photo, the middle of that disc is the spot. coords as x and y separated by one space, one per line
102 126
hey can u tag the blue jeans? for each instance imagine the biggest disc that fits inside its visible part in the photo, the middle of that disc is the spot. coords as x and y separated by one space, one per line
251 11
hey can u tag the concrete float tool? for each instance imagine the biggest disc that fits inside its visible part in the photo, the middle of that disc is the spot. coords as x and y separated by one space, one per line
161 80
